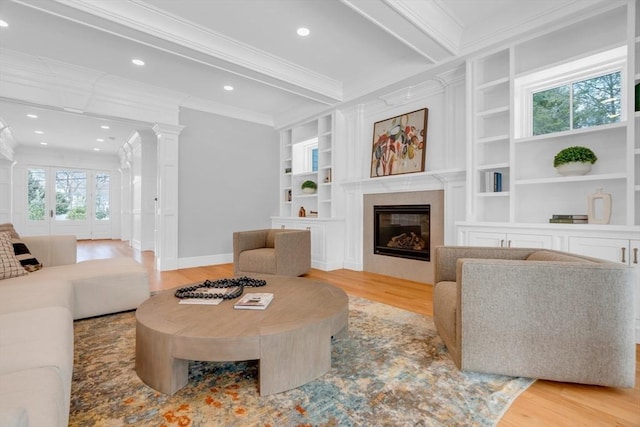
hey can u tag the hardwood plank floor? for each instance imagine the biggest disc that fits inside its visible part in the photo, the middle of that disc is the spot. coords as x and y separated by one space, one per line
546 403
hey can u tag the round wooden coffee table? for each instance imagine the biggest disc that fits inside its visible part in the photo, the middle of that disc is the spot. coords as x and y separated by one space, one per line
291 338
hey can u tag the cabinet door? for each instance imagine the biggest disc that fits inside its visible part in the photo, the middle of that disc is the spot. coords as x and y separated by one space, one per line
517 240
509 240
487 239
616 250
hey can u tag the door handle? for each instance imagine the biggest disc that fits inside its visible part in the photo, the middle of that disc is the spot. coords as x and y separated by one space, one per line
623 254
51 213
502 243
635 255
509 243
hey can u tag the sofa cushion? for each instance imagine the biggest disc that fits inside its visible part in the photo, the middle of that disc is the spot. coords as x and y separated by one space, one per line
101 286
9 264
40 392
31 292
13 416
38 338
555 256
28 261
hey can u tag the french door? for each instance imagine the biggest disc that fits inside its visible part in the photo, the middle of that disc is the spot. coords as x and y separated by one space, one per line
68 201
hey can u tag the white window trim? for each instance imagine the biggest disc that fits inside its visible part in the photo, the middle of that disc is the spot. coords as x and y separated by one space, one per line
610 61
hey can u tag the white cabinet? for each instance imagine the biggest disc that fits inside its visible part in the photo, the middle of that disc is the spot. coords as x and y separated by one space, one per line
327 239
509 240
618 250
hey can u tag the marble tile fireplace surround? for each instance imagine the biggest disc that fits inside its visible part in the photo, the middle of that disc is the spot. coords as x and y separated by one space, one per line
411 269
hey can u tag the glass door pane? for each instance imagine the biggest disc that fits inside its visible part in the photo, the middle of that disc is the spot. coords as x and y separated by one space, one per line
36 194
71 195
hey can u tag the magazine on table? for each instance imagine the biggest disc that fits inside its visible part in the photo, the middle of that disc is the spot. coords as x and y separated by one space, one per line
254 301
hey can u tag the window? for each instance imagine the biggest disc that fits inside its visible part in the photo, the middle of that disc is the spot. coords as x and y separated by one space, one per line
71 195
579 94
102 196
36 185
585 103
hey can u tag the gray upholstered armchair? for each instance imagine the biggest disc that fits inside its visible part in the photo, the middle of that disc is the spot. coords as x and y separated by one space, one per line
536 313
286 252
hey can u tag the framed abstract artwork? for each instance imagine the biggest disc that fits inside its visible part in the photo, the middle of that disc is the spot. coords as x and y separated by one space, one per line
400 144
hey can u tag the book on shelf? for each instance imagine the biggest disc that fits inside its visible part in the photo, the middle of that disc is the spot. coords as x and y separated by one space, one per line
569 216
492 182
497 182
568 221
254 301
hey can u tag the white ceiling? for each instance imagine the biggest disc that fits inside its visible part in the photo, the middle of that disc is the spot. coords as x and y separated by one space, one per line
73 54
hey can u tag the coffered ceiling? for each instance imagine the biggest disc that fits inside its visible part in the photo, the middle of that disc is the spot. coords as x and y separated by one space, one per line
70 60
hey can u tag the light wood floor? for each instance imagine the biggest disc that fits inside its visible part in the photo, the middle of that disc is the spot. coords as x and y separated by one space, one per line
546 403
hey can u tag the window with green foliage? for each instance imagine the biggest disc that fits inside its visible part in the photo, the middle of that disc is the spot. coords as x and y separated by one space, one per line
580 104
582 93
36 184
102 195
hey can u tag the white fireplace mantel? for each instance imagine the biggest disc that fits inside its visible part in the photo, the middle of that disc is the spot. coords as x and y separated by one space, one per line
452 181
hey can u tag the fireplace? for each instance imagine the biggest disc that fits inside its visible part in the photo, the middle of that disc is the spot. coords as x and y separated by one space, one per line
402 231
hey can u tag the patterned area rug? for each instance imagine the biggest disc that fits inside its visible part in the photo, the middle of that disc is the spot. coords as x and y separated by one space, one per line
392 370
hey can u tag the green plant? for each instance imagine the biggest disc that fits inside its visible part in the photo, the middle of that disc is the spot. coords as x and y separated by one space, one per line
309 184
574 154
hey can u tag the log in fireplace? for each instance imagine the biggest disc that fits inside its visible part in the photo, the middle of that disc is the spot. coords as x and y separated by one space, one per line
402 231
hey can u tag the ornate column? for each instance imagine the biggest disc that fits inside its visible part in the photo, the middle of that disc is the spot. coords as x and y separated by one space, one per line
166 241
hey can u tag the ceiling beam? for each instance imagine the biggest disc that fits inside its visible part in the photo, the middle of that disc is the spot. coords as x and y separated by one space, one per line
427 27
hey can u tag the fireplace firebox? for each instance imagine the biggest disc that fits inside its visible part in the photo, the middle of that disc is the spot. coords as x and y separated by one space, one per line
402 231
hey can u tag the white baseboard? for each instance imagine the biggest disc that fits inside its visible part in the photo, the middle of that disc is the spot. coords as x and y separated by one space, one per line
201 261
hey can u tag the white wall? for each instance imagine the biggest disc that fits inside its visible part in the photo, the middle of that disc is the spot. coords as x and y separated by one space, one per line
228 182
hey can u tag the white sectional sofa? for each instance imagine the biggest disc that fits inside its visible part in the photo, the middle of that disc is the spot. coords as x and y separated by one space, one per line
36 325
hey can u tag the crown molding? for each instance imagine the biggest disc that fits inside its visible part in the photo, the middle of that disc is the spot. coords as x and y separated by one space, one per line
150 20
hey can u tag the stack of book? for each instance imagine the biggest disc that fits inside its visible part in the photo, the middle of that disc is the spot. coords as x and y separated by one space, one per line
570 219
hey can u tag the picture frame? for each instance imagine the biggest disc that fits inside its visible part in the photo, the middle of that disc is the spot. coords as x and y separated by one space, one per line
400 144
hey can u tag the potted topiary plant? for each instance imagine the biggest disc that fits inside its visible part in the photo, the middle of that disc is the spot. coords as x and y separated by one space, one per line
309 186
574 161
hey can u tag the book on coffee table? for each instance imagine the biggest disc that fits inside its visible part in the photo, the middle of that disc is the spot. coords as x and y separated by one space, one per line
254 301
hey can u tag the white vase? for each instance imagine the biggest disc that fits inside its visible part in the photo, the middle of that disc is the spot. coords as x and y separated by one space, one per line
599 207
574 168
309 190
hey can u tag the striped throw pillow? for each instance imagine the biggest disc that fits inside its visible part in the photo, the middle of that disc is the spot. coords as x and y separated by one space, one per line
9 264
28 261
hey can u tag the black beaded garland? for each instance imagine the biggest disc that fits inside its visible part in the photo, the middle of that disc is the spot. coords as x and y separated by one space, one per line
238 282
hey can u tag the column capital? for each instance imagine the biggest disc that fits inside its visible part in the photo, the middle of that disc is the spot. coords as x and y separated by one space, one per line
163 128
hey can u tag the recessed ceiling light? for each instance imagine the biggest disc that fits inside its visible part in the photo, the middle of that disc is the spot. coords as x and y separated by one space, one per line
138 62
96 149
32 116
44 143
100 140
3 24
228 88
303 32
105 127
39 132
